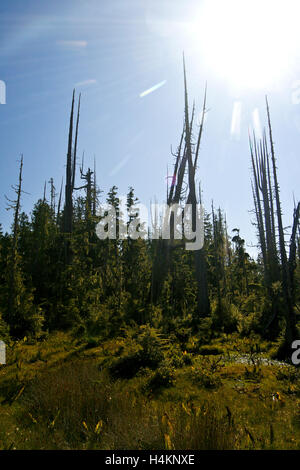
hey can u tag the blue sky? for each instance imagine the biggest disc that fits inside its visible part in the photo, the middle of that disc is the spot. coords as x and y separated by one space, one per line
112 51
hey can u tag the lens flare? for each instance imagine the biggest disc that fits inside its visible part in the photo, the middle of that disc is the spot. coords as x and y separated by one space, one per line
249 43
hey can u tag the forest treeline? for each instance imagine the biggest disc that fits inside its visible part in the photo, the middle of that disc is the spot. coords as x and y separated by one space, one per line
56 274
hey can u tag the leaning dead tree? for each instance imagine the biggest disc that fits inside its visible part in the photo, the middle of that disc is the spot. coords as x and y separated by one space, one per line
277 266
183 192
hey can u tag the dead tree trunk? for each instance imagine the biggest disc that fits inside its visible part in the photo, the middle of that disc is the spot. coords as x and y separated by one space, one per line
186 160
293 250
70 180
291 330
15 205
200 256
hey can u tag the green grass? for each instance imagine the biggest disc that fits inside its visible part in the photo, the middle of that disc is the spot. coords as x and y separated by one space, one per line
59 394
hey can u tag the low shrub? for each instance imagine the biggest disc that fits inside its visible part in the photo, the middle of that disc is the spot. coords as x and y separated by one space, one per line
164 376
144 348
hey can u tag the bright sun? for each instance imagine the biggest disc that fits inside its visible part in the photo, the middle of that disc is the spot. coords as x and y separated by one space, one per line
251 43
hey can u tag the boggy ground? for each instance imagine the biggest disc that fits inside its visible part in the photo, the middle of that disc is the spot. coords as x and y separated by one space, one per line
138 391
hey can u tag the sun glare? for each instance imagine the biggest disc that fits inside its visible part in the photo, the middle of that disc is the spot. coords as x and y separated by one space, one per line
250 43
